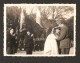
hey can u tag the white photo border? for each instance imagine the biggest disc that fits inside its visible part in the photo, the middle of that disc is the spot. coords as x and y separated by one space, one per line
55 4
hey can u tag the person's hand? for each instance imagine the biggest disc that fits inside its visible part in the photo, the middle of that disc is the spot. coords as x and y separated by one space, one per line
31 35
13 34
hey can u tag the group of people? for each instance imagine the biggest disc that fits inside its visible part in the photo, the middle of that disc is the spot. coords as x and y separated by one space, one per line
39 44
58 41
23 41
13 42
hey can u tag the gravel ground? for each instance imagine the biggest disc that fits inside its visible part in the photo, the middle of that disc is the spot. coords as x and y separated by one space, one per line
40 52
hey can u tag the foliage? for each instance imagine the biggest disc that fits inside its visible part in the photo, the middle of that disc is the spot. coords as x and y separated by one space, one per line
12 15
49 16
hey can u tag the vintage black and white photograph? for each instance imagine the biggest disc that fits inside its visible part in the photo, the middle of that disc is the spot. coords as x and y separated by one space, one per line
39 30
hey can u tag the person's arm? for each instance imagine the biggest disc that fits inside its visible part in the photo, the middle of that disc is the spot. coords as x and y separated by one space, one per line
62 33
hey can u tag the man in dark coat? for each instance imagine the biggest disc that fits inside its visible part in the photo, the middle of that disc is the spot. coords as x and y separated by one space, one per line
29 43
63 38
11 42
8 40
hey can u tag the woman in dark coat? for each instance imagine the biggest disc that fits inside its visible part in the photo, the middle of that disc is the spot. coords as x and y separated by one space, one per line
29 43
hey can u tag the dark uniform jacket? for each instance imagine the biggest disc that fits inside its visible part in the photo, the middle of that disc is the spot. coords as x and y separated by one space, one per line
63 37
29 42
10 40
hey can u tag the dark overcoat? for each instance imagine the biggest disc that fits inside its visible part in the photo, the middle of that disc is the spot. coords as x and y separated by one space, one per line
29 42
11 42
63 37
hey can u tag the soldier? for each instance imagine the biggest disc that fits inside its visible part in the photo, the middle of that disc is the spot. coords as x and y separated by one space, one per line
63 37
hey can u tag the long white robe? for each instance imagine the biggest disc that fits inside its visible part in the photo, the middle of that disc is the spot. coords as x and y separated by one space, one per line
50 46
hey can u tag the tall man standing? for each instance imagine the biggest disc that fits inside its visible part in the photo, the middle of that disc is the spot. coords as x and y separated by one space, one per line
63 38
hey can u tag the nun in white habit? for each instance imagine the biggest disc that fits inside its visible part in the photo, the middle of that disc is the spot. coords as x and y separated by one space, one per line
50 46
